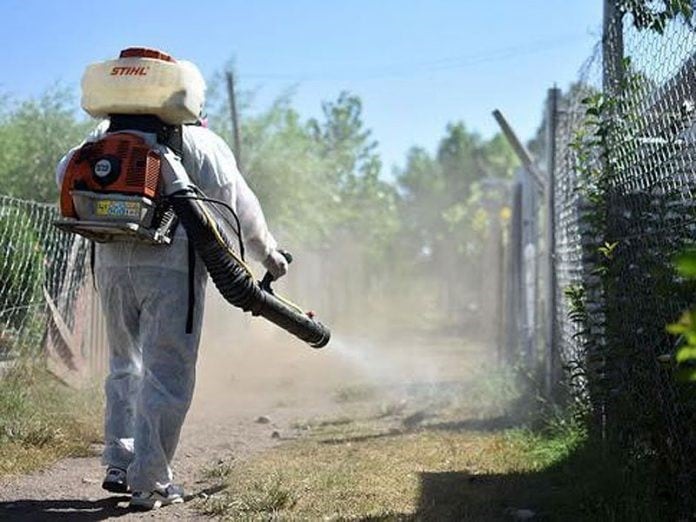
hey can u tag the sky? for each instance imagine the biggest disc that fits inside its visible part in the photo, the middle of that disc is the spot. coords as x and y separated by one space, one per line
416 65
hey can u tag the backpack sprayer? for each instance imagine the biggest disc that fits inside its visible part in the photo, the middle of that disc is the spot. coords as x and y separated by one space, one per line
122 188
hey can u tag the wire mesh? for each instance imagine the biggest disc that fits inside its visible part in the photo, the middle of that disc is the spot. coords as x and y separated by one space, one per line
47 304
650 217
625 179
579 321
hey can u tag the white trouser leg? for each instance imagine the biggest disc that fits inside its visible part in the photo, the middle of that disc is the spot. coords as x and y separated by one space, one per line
169 370
123 383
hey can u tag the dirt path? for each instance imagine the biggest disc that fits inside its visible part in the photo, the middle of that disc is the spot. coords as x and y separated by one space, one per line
247 370
70 489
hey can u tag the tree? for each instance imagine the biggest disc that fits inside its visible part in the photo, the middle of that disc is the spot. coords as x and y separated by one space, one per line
446 208
34 135
498 157
442 194
318 180
343 139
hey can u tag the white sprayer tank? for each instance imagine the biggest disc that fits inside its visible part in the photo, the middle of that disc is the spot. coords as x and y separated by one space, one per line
173 90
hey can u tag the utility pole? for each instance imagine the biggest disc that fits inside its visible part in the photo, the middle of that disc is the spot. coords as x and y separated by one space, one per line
235 119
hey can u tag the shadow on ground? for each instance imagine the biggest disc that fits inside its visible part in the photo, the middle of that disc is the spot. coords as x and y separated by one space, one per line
584 487
75 510
65 509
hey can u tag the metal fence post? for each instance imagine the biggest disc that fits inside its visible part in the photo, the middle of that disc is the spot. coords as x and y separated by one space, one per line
530 180
551 356
500 288
515 312
612 48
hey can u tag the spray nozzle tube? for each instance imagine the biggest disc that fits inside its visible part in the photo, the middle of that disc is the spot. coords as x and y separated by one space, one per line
233 278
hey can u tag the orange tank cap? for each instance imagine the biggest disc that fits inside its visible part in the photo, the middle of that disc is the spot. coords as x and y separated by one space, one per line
146 52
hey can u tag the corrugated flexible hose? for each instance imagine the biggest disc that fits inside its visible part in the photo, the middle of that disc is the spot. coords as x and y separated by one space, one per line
232 276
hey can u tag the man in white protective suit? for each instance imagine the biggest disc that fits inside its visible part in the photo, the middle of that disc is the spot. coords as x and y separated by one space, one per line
152 297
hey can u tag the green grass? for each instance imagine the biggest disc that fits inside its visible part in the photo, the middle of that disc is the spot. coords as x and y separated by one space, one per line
263 499
479 449
219 471
358 471
558 439
41 420
354 471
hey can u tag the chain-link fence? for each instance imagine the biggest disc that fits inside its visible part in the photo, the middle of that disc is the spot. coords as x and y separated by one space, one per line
596 288
47 304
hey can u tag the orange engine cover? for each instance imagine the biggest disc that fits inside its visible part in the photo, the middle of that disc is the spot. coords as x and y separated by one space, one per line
120 163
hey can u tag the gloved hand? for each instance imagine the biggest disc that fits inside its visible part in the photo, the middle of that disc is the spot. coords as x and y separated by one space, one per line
276 264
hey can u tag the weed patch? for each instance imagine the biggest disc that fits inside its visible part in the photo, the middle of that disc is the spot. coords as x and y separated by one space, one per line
41 420
261 499
219 472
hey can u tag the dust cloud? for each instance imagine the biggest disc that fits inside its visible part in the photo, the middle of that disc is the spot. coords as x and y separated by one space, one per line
404 344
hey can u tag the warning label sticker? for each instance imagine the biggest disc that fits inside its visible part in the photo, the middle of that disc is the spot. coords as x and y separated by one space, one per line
112 208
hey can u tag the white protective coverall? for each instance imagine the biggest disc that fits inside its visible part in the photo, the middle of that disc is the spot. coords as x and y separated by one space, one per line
144 293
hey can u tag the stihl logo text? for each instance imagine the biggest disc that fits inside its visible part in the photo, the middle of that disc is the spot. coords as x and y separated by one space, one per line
129 71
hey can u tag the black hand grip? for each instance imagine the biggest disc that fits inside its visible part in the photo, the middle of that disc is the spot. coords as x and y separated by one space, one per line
268 278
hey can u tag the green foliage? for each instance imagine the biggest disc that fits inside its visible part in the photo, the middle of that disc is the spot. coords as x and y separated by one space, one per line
588 145
343 140
558 439
627 291
685 328
444 198
607 249
605 129
367 202
286 170
499 159
453 211
318 180
577 309
685 263
648 14
34 135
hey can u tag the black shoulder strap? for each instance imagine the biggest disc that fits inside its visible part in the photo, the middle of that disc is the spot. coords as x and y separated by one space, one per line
92 261
191 287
